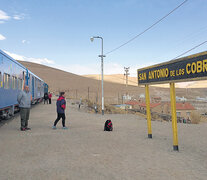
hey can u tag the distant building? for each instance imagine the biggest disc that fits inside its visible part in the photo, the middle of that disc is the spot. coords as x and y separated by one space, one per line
201 99
127 97
154 107
183 99
183 109
156 99
123 106
141 96
132 104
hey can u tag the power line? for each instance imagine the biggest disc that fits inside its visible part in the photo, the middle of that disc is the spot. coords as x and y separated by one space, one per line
184 53
190 49
147 28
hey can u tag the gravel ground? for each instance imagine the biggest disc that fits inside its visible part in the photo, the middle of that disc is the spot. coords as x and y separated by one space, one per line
85 151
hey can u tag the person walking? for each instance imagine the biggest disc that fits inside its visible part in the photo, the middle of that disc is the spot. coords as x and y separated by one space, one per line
61 105
50 97
24 100
46 98
80 102
96 109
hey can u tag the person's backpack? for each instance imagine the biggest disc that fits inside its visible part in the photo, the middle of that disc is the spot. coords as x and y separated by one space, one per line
108 125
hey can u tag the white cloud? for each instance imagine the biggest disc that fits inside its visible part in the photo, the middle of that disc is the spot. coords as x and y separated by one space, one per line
113 68
25 42
39 60
109 68
19 16
82 69
44 61
2 37
4 16
79 69
16 17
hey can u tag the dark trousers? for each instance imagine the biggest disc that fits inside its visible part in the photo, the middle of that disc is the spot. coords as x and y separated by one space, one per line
45 100
59 116
49 100
24 115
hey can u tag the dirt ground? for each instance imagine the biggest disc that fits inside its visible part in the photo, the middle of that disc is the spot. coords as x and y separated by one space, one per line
85 151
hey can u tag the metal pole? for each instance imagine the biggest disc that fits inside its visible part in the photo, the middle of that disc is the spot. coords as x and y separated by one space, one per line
126 70
174 117
102 76
147 97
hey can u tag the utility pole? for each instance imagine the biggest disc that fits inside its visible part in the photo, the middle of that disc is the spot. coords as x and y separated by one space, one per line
126 69
88 92
102 73
96 97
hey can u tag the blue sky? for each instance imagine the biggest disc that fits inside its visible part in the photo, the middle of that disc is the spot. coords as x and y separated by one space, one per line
57 33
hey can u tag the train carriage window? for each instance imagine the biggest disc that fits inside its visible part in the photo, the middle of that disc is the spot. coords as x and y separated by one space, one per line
1 83
14 82
1 59
19 84
6 81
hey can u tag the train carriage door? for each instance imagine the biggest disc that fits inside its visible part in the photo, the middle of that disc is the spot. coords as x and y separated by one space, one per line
32 87
27 77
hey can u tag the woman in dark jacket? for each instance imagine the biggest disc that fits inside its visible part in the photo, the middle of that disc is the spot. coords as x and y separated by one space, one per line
61 105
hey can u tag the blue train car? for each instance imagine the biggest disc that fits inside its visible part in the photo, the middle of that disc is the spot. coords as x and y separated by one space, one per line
36 86
13 78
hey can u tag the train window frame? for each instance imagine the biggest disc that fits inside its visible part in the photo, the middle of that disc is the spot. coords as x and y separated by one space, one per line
1 59
7 81
20 82
14 82
1 82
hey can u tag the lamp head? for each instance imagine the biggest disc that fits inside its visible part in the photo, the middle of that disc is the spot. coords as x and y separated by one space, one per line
92 38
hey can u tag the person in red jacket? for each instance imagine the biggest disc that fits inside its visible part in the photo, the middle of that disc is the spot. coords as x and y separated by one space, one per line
50 97
61 105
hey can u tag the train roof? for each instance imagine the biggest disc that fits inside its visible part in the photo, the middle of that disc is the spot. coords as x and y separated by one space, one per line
2 52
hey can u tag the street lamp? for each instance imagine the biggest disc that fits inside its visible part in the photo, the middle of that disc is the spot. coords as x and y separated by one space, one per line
101 56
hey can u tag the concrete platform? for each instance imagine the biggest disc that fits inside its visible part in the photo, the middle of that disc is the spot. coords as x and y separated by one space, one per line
85 151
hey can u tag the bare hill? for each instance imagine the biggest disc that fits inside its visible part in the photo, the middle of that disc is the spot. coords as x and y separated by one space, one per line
121 79
84 87
115 78
79 86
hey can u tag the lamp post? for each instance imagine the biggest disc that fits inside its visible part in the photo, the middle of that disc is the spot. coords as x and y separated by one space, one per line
101 56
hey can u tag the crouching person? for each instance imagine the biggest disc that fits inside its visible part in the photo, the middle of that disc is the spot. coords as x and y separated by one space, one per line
61 105
24 100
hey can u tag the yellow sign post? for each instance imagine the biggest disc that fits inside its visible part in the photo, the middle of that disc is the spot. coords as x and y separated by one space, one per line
147 98
190 68
174 116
